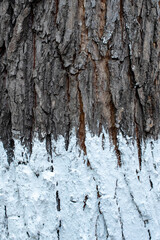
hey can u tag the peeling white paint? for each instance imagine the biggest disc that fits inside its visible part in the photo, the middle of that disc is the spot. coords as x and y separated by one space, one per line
62 198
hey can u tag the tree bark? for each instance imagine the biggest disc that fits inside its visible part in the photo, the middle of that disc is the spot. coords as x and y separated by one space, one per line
83 76
72 64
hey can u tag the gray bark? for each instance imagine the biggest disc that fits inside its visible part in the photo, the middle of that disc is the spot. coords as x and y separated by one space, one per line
68 64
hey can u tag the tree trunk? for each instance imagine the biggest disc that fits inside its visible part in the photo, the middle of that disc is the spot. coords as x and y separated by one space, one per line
86 73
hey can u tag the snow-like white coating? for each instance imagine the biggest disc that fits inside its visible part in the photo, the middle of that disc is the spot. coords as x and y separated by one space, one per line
70 196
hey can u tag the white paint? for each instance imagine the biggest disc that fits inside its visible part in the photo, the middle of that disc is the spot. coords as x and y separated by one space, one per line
126 204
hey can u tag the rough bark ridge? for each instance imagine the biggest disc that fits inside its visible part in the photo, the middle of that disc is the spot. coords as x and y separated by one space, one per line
100 57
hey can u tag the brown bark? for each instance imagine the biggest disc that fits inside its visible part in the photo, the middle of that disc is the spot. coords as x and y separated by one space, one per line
76 63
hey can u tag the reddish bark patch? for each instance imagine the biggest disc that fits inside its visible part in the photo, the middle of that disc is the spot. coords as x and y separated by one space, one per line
95 82
102 16
113 133
84 30
81 131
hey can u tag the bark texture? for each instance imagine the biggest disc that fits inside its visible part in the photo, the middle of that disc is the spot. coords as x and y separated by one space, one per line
68 64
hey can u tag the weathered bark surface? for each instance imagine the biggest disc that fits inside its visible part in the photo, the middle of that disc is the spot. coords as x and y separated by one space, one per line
92 66
72 63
